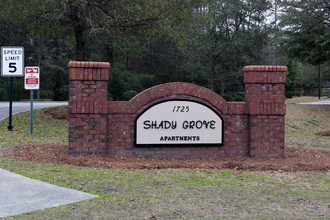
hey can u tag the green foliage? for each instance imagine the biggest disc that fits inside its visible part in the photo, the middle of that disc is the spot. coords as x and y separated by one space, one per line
308 75
306 30
234 97
226 36
289 94
147 42
290 77
129 94
4 93
126 76
50 53
297 93
227 97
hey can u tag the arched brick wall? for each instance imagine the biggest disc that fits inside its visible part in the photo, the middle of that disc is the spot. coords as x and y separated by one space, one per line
179 90
254 128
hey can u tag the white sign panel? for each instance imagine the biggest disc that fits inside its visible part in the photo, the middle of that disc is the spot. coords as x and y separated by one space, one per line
32 78
179 122
12 61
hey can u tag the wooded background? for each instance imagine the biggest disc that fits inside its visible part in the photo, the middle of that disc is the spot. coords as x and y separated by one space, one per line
149 42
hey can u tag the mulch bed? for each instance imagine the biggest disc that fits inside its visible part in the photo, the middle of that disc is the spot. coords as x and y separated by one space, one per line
323 133
296 159
60 113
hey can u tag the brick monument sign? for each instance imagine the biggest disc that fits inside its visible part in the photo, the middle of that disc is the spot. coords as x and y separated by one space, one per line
176 120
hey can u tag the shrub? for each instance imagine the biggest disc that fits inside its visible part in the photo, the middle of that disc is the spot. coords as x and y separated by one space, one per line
297 93
227 97
127 95
289 94
236 97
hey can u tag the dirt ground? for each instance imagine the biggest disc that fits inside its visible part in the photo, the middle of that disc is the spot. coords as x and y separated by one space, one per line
296 159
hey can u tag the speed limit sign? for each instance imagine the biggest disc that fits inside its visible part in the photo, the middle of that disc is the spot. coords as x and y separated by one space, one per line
12 61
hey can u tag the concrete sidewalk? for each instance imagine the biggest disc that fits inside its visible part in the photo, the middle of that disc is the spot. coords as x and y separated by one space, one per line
19 194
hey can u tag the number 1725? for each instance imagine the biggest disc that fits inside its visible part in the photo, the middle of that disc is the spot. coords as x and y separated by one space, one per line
180 108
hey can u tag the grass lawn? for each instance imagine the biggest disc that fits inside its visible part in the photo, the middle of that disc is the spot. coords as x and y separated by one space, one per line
182 193
179 193
45 130
305 99
301 124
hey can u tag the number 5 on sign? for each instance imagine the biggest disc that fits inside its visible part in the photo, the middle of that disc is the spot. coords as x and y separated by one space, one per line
12 61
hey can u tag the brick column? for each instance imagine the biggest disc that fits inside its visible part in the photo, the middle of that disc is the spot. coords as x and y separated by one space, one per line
88 108
265 99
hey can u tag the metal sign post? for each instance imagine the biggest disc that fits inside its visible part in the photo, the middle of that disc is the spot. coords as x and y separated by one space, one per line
31 110
319 72
12 64
10 127
31 82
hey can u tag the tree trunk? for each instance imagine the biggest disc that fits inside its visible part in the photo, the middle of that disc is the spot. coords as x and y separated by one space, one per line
110 53
212 74
222 90
80 43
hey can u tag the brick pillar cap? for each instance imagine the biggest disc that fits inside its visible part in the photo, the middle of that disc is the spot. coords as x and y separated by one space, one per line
83 64
266 68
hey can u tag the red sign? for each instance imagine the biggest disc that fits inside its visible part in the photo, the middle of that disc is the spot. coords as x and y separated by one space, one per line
31 78
31 81
32 70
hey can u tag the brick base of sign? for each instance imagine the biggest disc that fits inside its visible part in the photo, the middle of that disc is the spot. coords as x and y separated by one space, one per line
254 128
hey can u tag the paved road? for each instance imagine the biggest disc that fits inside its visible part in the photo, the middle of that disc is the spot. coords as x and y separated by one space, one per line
19 107
315 103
